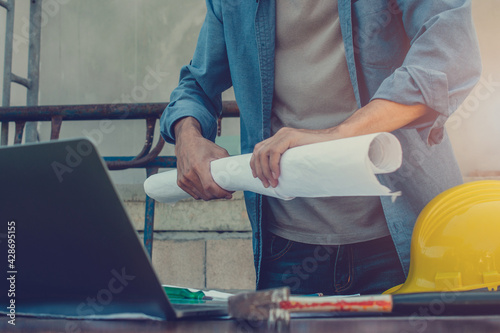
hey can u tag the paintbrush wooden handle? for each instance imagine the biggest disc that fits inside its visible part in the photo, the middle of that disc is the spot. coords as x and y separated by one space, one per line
450 303
378 303
275 305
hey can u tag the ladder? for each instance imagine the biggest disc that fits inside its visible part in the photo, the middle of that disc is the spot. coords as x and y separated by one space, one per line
31 83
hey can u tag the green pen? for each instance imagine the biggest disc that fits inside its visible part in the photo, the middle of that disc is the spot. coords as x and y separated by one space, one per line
184 293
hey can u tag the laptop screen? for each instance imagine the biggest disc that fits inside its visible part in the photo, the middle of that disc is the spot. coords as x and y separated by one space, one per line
74 251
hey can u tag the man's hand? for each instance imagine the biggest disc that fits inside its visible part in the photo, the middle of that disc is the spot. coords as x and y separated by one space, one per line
194 154
265 161
377 116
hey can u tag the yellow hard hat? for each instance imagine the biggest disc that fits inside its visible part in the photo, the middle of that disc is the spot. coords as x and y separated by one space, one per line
455 245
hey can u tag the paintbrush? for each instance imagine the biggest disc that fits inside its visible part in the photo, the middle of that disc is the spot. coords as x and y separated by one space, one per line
275 305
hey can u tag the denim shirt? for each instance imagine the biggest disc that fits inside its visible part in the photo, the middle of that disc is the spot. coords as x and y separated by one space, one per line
405 51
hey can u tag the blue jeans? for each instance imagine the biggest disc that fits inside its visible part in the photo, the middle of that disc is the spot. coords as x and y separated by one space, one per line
362 268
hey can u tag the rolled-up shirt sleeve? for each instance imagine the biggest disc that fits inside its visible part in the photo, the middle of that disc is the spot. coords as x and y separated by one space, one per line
442 65
201 82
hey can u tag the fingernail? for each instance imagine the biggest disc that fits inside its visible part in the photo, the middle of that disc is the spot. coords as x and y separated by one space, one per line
274 176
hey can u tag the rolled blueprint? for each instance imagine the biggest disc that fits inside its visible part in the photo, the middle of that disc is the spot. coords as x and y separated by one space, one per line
345 167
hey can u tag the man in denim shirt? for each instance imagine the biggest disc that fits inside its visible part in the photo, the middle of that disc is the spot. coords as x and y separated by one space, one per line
310 71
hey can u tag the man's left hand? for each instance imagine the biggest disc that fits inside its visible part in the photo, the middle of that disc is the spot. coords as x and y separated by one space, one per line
265 161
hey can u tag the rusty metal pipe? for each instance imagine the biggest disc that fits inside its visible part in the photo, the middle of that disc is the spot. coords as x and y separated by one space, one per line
137 162
97 111
150 131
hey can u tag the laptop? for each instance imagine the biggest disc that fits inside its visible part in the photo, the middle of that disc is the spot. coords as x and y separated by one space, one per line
68 246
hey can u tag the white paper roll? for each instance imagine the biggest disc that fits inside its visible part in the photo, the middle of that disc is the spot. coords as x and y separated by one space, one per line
344 167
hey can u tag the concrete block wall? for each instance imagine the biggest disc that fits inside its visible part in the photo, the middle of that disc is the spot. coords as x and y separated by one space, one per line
198 244
209 263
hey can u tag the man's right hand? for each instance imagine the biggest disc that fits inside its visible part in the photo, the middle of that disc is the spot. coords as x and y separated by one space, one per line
194 154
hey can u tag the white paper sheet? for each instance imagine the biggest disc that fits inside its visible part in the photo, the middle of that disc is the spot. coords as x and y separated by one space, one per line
345 167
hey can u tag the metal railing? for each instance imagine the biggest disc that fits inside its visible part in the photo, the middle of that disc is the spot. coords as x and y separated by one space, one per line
148 158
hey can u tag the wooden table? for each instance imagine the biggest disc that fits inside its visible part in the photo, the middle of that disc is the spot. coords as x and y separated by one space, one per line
339 325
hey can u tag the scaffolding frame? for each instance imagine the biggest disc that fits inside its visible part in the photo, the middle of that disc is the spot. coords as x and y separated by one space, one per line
32 81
